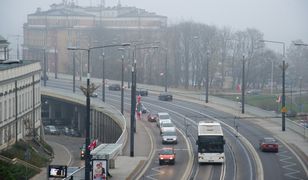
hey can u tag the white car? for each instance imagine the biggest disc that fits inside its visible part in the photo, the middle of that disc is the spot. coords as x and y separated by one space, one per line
169 137
163 117
52 130
166 126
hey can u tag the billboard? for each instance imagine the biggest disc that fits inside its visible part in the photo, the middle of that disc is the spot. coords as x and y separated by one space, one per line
100 169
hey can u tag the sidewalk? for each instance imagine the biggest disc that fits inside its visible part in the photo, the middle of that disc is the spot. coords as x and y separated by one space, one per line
61 156
127 167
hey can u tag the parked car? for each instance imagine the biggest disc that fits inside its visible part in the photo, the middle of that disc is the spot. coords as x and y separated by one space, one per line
143 109
74 133
166 126
114 87
167 155
152 117
52 130
169 137
94 94
64 130
254 91
268 144
165 96
162 117
141 92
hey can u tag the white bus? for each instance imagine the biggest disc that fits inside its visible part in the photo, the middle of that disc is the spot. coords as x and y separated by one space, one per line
210 143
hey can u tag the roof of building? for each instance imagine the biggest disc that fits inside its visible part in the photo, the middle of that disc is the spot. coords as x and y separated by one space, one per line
6 66
72 10
135 12
60 12
3 41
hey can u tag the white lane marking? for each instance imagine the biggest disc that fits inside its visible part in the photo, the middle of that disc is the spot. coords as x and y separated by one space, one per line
297 157
283 157
155 169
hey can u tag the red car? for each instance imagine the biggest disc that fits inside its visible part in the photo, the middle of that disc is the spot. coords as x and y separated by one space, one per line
152 117
167 155
269 144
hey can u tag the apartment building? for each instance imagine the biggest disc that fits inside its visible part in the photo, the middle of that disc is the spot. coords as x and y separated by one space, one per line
20 98
47 34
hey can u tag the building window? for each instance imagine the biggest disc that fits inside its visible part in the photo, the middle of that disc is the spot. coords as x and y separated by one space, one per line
10 108
1 114
23 102
5 110
14 109
19 104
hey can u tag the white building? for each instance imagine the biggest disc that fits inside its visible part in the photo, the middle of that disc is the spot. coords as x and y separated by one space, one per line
20 98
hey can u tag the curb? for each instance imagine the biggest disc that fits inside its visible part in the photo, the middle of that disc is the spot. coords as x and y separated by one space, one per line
142 165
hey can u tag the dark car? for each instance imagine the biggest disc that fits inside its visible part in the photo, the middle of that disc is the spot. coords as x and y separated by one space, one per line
64 130
114 87
269 144
152 117
141 92
165 96
74 133
82 151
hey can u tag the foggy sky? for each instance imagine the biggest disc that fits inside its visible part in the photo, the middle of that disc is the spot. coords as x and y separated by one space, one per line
279 20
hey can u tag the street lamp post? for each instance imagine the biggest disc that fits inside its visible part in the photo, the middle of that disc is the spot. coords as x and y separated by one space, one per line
166 71
133 105
283 67
74 73
103 81
300 94
122 81
45 68
243 86
122 85
207 78
133 95
87 91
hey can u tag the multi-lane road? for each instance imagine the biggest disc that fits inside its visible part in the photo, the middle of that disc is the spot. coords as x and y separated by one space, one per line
244 161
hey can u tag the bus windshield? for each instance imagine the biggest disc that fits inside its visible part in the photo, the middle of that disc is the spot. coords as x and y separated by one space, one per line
210 144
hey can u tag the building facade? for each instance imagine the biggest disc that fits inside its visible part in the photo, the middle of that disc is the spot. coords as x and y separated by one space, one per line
20 98
49 33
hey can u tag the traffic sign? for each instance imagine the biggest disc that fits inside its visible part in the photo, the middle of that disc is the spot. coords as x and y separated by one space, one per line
284 109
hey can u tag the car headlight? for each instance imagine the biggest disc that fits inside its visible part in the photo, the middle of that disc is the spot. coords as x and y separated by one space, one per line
161 158
171 158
